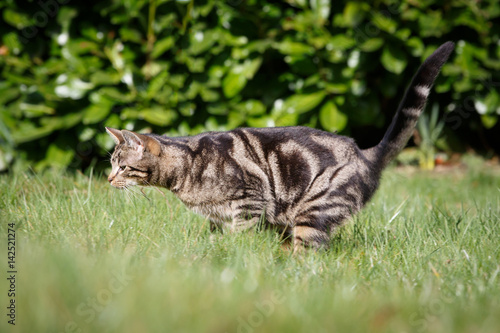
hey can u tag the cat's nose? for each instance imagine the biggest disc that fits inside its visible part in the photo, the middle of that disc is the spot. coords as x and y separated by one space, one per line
110 179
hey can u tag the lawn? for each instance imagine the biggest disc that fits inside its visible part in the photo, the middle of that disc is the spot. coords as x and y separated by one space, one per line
424 256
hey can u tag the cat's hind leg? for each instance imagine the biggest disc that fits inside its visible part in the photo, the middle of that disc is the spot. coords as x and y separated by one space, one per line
307 235
313 229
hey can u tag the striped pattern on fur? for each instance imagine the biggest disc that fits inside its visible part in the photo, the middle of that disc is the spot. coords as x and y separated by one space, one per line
303 182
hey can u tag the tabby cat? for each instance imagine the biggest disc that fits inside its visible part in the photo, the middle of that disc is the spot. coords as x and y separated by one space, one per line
302 181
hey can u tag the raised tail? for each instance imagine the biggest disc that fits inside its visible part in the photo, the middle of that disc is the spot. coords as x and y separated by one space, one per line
410 108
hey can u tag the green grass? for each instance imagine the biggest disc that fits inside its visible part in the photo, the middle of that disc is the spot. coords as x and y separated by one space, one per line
424 256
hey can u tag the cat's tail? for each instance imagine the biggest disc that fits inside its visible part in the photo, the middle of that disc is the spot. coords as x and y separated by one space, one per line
410 108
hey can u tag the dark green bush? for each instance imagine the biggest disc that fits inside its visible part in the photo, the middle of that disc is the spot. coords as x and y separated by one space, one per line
69 68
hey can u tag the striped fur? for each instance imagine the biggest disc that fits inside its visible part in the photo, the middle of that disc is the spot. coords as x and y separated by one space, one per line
304 182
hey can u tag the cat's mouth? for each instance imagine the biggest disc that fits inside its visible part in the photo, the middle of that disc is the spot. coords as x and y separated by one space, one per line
121 185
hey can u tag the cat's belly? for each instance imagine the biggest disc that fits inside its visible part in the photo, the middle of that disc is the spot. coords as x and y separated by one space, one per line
217 212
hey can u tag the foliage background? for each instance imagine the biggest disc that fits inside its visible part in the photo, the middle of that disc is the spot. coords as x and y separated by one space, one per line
69 68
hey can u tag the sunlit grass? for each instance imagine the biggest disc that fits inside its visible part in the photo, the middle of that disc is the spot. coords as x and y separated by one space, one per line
424 256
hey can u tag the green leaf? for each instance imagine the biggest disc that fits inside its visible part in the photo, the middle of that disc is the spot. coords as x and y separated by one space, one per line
65 15
233 83
95 113
416 45
156 84
432 24
342 42
162 46
372 44
59 157
201 41
100 78
287 119
354 13
252 107
115 95
21 79
35 110
113 121
158 116
153 68
27 134
11 41
403 34
64 122
16 19
331 118
235 119
218 109
264 121
393 59
8 94
489 120
87 134
492 102
132 35
187 109
82 46
129 113
336 88
300 103
73 88
321 9
250 67
196 65
384 23
294 48
238 75
209 95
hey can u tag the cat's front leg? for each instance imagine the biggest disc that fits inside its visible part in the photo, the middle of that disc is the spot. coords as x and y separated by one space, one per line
239 224
216 226
216 230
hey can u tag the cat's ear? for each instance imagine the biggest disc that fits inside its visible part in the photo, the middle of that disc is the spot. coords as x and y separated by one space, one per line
132 139
115 134
152 145
141 142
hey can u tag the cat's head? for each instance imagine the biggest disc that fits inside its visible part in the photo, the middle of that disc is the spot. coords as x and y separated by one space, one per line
134 160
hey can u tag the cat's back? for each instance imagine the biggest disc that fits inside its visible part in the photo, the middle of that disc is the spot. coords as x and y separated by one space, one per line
299 140
286 144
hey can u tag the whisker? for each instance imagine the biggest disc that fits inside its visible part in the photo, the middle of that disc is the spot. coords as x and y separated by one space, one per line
141 192
126 193
161 192
129 193
132 191
144 195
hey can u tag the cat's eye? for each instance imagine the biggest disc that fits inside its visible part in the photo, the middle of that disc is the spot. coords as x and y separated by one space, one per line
122 168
